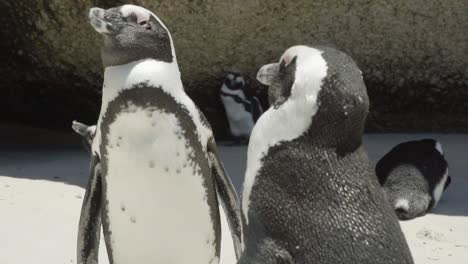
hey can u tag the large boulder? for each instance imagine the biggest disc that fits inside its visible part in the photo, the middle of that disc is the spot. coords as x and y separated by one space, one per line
413 54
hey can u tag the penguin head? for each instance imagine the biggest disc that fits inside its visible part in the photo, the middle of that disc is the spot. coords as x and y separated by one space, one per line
304 71
322 84
131 33
284 77
426 156
234 81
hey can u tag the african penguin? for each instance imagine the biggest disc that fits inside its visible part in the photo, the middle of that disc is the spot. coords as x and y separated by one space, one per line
242 110
309 193
413 175
156 185
86 132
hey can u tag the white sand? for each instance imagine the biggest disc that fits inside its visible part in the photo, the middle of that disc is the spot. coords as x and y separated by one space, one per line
41 190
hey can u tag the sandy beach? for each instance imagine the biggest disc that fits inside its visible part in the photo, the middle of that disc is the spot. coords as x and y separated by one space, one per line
42 182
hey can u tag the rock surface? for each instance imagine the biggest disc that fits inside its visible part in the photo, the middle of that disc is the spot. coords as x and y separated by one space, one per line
413 54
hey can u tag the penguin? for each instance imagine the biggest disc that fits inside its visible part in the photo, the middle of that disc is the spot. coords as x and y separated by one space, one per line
414 175
309 193
242 109
157 186
86 132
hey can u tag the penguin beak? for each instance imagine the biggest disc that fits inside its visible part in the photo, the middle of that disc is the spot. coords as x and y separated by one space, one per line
96 19
268 73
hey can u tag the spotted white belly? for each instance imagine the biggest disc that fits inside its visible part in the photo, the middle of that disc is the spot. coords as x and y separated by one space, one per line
157 205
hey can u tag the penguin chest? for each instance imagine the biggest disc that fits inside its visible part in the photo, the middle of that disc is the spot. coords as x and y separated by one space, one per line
156 197
240 120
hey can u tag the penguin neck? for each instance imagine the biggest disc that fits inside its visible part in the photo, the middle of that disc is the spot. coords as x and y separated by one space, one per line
238 92
157 74
226 90
340 135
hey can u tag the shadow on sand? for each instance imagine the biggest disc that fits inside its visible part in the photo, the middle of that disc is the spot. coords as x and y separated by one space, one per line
37 154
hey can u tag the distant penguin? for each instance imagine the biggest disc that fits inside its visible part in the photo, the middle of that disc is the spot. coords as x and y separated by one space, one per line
242 109
414 175
156 184
310 194
86 132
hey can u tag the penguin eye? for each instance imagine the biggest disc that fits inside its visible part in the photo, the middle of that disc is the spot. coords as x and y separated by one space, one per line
145 24
283 63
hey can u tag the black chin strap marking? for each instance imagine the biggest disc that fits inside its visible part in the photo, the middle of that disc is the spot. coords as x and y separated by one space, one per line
247 105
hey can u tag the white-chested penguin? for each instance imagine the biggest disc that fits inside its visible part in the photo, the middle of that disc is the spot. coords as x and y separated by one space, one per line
310 195
156 184
86 132
414 175
242 109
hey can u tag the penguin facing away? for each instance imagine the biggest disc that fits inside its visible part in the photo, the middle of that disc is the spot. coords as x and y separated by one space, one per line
242 109
310 195
413 175
157 185
86 132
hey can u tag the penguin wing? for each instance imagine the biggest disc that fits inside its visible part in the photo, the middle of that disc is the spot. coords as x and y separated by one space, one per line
79 128
89 229
86 132
228 195
388 162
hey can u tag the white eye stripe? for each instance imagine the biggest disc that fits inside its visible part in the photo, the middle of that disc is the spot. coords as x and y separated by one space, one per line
141 13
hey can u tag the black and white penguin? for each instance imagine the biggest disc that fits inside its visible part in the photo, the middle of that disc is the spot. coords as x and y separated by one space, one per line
86 132
310 194
413 175
242 108
157 184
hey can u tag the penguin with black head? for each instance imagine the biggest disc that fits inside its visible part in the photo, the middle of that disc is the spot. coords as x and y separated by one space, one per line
157 185
414 175
242 108
309 194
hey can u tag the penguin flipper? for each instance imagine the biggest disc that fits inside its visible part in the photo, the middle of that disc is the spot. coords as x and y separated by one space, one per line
86 132
228 195
89 230
79 128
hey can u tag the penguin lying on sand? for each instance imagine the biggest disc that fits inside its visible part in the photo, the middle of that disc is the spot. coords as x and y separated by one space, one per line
86 132
242 108
310 195
414 175
157 185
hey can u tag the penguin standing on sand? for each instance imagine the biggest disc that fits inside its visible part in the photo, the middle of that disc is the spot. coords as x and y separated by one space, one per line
310 195
156 185
242 109
86 132
414 175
